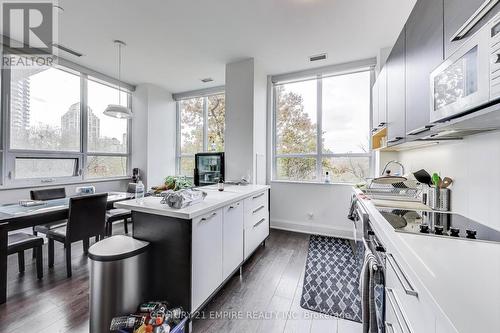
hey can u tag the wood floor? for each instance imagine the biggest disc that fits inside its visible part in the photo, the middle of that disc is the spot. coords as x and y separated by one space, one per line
266 298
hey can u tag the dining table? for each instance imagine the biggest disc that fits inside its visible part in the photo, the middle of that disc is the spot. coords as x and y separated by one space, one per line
16 216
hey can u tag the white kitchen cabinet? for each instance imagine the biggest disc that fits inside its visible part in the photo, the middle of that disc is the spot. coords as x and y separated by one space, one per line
232 235
207 247
403 293
256 218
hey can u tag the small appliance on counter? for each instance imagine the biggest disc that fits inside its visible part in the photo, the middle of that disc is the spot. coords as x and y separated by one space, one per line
85 190
209 168
431 223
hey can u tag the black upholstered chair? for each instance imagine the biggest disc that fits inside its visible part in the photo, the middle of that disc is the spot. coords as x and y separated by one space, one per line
87 218
43 195
119 214
19 242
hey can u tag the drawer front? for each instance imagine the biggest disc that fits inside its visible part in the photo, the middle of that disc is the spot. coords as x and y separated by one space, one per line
416 310
395 315
257 200
256 233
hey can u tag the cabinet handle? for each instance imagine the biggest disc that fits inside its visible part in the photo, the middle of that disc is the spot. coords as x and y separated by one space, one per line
389 327
401 276
259 195
396 139
208 217
420 130
396 307
258 223
473 20
261 207
233 207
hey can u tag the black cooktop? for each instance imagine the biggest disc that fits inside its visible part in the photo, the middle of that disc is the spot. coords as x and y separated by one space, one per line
439 224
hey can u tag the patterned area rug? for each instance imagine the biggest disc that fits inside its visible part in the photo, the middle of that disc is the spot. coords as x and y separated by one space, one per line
331 284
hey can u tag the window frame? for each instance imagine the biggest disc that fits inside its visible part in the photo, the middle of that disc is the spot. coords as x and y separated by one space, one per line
184 96
319 155
7 170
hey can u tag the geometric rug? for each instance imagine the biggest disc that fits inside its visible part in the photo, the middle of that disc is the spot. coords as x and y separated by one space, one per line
331 280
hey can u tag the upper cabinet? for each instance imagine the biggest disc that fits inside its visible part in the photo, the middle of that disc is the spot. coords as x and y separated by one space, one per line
456 13
375 118
424 52
396 92
379 104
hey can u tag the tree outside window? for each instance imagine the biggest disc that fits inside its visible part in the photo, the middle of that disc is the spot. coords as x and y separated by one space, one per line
201 129
329 112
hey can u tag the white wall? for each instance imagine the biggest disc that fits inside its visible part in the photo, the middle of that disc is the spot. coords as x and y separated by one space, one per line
245 130
139 130
238 143
474 165
291 204
154 133
260 125
161 135
14 195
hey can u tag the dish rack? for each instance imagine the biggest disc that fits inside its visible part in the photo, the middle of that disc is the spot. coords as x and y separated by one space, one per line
408 190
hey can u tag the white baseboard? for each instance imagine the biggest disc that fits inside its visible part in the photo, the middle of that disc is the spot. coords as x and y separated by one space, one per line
313 229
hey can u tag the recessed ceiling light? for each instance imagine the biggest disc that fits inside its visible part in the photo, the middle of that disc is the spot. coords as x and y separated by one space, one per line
318 57
207 79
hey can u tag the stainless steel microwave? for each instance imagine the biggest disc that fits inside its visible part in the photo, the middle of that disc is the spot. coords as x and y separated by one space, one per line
470 78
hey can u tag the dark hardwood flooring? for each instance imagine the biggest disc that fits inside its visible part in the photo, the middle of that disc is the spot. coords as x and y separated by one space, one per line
266 298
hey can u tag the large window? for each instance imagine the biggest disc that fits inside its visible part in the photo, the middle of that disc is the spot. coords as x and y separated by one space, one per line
201 129
51 138
322 125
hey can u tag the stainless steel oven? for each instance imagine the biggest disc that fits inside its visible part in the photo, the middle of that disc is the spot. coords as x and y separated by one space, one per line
470 78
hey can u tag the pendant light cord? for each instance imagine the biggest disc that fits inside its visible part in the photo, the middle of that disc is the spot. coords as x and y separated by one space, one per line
119 73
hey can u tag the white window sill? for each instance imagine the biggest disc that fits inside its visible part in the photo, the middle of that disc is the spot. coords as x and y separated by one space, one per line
65 183
312 183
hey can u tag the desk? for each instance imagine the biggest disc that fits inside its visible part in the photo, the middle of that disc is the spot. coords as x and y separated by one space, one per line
19 217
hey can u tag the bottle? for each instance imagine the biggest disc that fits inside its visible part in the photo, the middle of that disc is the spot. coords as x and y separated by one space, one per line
327 178
220 184
139 192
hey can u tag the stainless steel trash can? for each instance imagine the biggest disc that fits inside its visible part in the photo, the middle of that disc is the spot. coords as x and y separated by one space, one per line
118 271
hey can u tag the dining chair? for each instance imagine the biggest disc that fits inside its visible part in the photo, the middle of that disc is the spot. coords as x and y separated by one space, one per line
19 242
87 218
119 214
44 195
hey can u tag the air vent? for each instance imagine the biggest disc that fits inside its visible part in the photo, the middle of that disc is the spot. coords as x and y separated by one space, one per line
206 80
67 50
318 57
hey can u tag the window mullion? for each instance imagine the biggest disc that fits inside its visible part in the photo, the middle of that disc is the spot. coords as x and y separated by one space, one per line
83 124
319 136
205 124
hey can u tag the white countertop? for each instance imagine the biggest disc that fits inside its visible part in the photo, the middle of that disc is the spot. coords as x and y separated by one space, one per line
461 276
215 199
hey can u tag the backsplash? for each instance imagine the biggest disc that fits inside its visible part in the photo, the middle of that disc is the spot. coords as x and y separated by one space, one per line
474 165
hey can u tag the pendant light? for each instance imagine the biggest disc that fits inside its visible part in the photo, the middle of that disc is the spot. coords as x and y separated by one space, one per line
117 110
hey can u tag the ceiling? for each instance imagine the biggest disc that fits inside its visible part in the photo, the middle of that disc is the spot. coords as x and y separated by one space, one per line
174 44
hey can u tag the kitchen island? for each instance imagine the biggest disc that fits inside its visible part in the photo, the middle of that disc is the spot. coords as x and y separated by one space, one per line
195 250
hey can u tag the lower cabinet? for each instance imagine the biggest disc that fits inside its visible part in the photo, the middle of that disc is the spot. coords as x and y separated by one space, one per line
256 221
232 238
206 256
222 239
407 309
